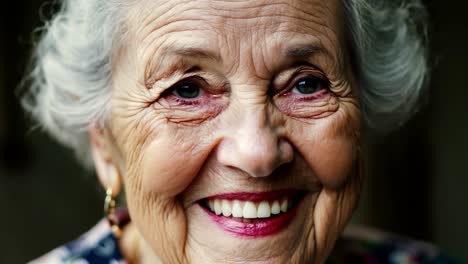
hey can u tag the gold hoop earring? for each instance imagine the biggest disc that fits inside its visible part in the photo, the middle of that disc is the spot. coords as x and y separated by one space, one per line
109 211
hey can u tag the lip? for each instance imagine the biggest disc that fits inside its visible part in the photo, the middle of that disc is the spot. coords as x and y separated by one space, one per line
260 227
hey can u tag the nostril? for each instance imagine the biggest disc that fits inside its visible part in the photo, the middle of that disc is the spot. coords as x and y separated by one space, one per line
282 153
258 159
260 169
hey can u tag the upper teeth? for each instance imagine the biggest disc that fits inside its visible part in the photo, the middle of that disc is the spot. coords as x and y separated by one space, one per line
247 209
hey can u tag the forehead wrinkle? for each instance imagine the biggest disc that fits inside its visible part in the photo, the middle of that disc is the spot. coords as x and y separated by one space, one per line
297 17
173 54
282 49
265 8
265 53
149 22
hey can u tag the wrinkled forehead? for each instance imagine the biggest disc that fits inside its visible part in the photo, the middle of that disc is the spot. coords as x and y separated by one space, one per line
227 27
240 14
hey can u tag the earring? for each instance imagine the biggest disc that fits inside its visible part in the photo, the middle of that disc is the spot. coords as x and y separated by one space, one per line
109 211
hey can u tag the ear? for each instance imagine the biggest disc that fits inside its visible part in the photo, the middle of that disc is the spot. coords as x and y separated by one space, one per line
104 162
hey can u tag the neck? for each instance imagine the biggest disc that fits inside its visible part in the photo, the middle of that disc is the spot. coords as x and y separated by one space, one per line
134 248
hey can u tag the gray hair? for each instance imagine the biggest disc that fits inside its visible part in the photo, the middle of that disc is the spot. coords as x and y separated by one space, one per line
70 79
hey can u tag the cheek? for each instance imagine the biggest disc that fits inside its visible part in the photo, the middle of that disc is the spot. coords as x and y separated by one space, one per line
172 160
330 147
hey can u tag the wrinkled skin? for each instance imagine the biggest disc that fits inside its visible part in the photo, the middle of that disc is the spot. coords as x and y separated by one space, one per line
248 129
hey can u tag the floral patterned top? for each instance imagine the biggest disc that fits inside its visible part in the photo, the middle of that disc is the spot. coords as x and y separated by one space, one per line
360 245
97 246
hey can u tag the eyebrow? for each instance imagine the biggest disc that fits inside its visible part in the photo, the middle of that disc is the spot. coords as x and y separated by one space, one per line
193 52
296 52
305 51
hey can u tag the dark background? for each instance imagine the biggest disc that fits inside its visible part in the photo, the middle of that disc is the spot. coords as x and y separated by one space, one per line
416 178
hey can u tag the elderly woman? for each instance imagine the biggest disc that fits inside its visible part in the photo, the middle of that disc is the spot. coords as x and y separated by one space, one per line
232 126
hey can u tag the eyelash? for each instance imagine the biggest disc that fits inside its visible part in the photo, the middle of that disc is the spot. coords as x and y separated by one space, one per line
303 73
206 92
299 75
194 80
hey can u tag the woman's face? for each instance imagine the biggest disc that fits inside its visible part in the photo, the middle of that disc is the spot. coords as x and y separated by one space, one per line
235 128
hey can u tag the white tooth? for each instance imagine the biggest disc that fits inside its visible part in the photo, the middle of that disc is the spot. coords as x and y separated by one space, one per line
236 208
275 207
263 210
250 211
284 205
217 207
226 207
211 204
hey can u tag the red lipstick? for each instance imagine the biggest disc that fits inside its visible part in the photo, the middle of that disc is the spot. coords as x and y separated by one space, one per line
256 227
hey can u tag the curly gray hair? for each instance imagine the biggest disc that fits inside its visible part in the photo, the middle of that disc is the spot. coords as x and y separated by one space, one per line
69 83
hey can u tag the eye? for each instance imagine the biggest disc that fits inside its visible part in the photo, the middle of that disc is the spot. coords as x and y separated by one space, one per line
308 85
188 89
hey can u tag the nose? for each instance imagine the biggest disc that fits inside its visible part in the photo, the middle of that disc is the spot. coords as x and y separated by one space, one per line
254 146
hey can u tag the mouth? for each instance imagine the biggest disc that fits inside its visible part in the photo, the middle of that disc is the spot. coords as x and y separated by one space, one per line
253 214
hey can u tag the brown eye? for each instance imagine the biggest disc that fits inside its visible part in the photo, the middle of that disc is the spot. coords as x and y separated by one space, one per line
187 89
308 85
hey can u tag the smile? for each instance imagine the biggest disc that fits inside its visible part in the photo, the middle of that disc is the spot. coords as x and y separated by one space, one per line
253 214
